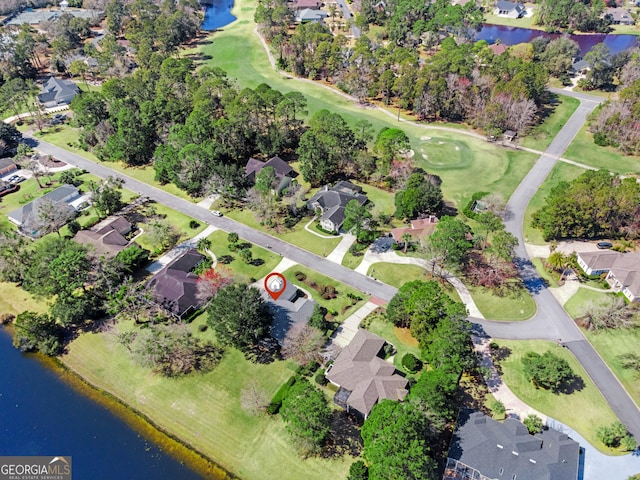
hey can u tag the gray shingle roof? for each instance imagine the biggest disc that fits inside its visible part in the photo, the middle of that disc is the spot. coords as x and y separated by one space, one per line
107 237
506 450
61 194
57 91
333 200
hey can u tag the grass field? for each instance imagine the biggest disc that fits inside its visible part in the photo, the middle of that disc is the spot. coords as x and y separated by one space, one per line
243 271
341 304
578 304
15 300
296 235
492 168
524 22
204 409
583 150
177 219
397 274
584 410
542 135
561 172
516 305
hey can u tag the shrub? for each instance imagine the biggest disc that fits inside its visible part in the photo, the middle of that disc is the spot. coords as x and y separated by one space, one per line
328 292
309 368
320 378
358 471
498 409
232 247
301 277
276 401
233 237
411 363
6 318
202 328
533 423
193 224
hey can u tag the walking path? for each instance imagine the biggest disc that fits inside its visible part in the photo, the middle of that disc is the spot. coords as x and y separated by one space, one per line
310 230
348 329
161 262
341 249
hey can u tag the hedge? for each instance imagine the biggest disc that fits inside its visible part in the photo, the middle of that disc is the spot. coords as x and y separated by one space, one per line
281 394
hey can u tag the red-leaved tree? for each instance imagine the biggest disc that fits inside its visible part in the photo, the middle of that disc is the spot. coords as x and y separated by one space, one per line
212 280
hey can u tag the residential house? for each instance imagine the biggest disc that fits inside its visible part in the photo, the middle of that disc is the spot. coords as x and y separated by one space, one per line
498 48
283 171
66 194
483 449
290 308
509 135
308 15
619 16
174 287
331 201
622 269
7 166
504 8
303 4
579 67
419 229
363 377
107 237
56 92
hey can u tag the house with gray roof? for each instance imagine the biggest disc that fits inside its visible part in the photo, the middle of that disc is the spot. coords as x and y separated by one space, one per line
622 269
174 287
330 202
284 173
107 237
311 15
292 307
363 377
485 449
507 9
56 92
66 194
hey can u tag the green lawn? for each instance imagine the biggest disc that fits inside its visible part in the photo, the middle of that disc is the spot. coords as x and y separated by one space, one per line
296 235
382 200
577 305
542 135
583 410
492 168
204 409
561 172
342 304
351 261
539 264
243 271
610 344
524 22
383 328
583 150
516 305
15 300
396 274
177 219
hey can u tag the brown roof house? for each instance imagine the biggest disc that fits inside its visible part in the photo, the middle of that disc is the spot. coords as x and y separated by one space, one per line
7 166
174 287
107 237
622 269
302 4
283 171
419 229
483 449
363 376
331 201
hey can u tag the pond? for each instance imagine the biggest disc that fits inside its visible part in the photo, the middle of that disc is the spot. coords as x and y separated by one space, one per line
40 414
515 35
217 14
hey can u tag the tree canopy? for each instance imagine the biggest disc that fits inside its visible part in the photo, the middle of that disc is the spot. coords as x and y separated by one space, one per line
420 196
547 371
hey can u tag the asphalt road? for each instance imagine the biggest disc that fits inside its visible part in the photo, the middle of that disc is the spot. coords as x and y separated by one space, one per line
551 321
362 282
346 13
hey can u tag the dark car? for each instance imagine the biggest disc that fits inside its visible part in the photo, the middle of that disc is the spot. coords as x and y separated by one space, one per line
604 245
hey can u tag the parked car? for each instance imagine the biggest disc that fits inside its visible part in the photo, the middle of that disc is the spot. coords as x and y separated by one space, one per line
60 116
604 245
216 213
18 179
12 178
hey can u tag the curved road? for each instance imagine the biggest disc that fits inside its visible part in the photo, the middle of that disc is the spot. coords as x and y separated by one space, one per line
550 322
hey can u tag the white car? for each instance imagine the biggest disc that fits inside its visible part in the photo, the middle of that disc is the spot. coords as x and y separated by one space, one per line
216 213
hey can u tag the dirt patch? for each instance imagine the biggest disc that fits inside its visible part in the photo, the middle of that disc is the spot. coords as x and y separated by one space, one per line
50 162
404 335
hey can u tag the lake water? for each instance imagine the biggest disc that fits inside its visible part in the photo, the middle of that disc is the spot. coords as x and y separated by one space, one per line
217 14
40 414
515 35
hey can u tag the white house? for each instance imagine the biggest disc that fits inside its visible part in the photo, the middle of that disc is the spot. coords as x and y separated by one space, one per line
622 269
509 9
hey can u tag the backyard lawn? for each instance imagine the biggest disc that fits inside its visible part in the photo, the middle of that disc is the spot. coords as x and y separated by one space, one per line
296 235
584 410
561 172
264 260
514 305
583 150
542 135
204 409
385 329
342 304
15 300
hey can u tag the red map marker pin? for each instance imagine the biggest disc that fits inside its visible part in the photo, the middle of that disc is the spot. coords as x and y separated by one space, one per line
275 284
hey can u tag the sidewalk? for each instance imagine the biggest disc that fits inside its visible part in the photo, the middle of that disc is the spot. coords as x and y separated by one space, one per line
161 262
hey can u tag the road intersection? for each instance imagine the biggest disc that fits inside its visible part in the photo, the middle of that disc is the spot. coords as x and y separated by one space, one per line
551 322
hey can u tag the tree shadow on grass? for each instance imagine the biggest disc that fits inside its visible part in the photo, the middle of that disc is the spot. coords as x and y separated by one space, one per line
576 384
344 437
